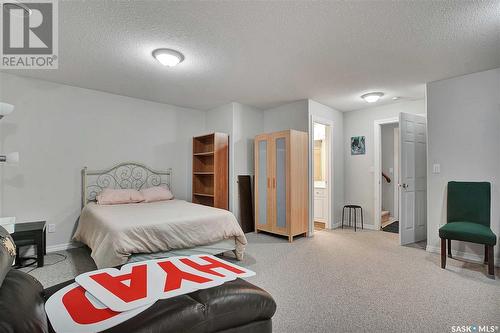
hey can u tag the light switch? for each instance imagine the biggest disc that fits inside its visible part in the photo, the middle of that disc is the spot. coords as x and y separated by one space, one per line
436 168
391 170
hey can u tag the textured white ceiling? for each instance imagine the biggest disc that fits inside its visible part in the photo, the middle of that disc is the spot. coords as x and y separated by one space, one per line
267 53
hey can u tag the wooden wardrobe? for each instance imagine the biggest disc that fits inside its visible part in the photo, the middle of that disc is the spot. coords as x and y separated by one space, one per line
211 170
281 183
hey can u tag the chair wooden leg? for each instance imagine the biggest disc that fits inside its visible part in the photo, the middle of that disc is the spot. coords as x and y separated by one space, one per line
491 261
443 253
486 254
449 248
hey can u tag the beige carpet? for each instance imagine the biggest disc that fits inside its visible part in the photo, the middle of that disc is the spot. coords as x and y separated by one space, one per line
341 281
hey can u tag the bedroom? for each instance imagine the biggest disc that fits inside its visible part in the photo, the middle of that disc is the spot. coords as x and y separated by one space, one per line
110 101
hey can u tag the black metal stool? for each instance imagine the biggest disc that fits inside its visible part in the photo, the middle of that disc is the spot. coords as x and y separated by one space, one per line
352 207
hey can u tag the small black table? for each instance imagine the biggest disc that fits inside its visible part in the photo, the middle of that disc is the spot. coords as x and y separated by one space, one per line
31 233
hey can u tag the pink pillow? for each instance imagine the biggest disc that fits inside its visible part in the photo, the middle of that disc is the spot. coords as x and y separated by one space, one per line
110 196
156 193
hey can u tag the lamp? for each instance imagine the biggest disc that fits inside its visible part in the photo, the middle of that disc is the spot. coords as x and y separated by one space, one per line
5 109
11 158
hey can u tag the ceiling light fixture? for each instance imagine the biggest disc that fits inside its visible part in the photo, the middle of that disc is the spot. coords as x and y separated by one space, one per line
395 98
168 57
372 97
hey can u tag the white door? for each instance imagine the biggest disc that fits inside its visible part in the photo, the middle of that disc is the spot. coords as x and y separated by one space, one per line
413 178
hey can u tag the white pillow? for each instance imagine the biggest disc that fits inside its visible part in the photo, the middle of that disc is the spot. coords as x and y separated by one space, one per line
110 196
156 193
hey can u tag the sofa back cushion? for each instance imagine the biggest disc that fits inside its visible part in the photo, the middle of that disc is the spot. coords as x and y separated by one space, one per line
7 253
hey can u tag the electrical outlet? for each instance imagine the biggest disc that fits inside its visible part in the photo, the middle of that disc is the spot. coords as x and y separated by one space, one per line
51 228
436 168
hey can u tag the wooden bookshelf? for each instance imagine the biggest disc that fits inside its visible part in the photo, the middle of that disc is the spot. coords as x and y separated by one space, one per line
211 170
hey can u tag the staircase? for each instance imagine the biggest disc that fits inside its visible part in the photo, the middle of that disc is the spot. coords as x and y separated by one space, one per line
384 217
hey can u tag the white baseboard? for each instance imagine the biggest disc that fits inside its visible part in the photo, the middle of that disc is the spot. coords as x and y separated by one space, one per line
365 226
462 255
30 250
63 247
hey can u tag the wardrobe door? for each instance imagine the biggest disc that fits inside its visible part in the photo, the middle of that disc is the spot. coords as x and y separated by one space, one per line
281 152
262 183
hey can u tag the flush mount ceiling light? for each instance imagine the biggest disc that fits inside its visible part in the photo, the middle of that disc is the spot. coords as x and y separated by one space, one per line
372 97
168 57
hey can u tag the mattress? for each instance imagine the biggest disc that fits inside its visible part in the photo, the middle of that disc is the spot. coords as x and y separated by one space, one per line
116 232
213 249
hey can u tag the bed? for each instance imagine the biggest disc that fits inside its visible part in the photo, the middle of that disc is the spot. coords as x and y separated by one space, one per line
117 234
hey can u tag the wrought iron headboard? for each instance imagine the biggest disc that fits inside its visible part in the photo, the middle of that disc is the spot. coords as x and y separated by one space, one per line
127 175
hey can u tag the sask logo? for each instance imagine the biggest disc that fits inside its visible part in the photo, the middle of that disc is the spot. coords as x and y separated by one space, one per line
474 329
29 34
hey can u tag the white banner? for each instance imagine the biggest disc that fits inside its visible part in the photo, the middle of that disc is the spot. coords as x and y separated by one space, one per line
104 298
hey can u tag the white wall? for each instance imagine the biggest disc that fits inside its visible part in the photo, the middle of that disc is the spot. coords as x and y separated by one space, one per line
247 123
220 119
387 139
464 136
358 169
337 152
242 123
59 129
288 116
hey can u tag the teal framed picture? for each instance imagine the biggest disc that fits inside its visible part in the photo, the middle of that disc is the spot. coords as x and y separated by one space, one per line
358 145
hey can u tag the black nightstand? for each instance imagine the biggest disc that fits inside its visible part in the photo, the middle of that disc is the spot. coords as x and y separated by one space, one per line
31 233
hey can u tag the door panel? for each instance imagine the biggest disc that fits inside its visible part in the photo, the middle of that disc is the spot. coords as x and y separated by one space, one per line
320 213
262 186
280 182
281 192
413 178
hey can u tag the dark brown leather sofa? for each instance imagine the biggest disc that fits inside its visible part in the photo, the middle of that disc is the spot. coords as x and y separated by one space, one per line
235 306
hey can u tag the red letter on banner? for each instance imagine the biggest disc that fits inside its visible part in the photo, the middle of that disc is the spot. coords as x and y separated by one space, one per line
175 276
81 309
209 268
138 283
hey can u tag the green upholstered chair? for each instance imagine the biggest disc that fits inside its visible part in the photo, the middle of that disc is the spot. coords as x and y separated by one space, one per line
468 219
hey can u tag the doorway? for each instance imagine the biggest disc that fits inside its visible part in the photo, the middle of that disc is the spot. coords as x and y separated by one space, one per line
389 216
321 175
411 176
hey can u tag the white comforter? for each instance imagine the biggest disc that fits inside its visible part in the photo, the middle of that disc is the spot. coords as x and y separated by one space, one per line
114 232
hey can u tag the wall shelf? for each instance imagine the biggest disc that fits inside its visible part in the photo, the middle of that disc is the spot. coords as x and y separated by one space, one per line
204 194
207 153
211 170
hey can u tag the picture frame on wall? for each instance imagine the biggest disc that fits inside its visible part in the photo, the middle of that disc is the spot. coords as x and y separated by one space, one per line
358 145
